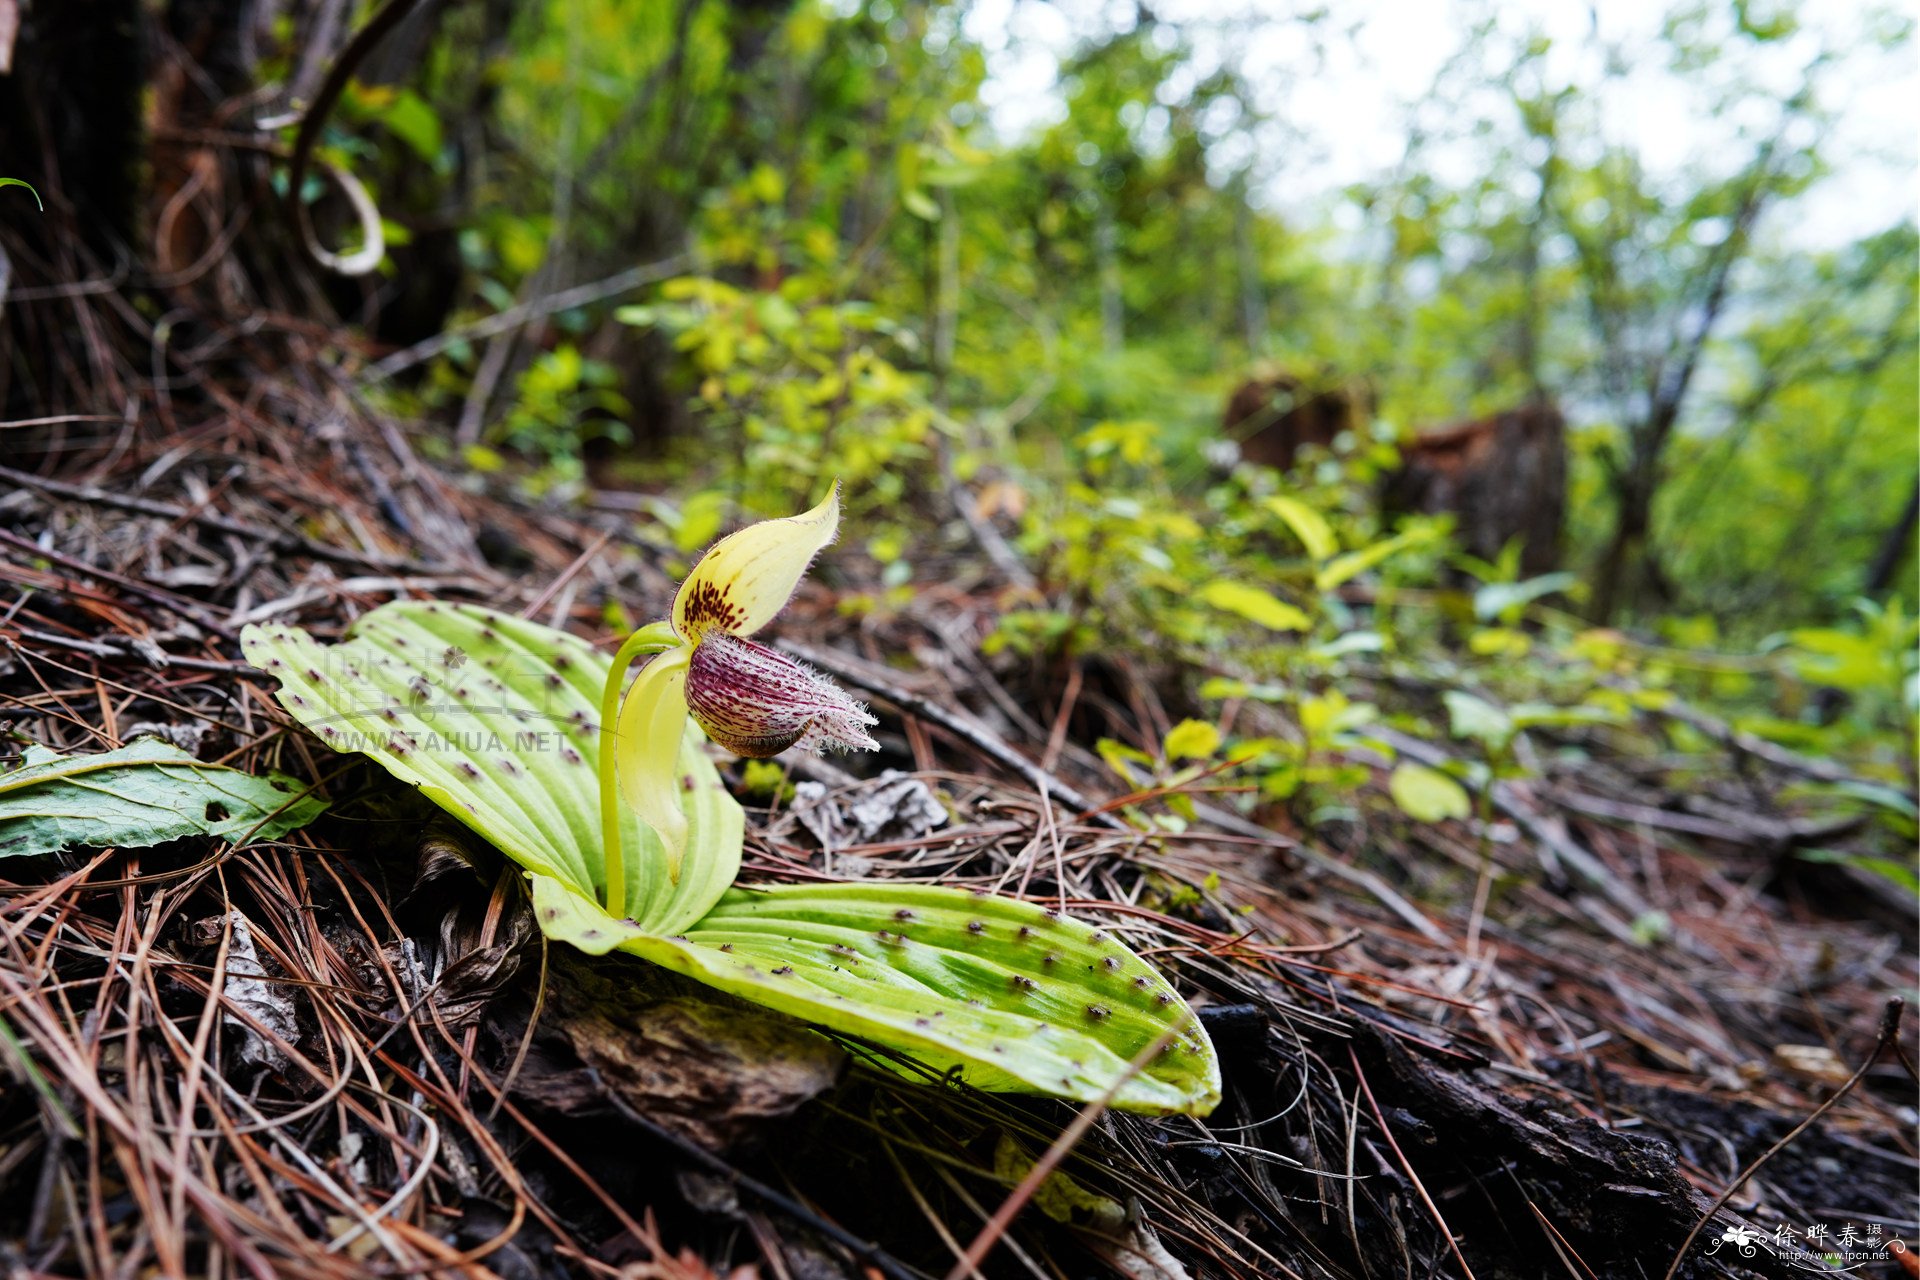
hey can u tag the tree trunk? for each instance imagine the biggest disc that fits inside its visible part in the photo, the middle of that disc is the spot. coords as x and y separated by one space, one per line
1894 547
1622 569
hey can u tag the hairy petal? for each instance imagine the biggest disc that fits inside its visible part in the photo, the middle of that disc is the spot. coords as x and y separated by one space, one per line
747 577
757 702
653 719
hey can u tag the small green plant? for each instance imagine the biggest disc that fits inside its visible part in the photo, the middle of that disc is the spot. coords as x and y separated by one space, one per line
523 733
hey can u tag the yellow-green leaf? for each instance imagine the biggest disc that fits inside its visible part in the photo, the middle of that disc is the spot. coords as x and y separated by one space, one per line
1016 997
1255 605
1308 525
1427 794
1192 740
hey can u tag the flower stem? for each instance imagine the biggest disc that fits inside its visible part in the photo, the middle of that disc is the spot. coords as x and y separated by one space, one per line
654 638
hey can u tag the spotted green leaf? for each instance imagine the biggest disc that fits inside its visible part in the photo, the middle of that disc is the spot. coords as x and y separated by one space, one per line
495 719
1015 997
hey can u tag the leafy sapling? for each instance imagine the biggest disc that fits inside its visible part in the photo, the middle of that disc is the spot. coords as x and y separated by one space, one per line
525 734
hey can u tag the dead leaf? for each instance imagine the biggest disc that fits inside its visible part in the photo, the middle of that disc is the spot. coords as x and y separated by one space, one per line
1811 1062
264 1002
892 807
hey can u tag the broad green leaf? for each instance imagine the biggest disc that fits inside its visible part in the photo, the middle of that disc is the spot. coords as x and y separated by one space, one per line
1014 996
1192 740
1351 642
1307 524
1844 660
1496 598
1358 562
1473 717
1255 605
917 203
495 719
141 794
1427 795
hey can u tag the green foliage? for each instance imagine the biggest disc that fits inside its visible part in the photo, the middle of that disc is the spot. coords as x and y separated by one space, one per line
496 720
144 793
796 384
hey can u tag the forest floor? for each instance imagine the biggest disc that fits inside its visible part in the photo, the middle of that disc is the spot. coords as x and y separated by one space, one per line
347 1052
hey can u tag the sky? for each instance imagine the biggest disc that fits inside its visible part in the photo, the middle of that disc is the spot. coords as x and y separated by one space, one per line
1346 121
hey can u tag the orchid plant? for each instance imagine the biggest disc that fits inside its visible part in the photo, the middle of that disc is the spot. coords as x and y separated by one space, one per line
493 718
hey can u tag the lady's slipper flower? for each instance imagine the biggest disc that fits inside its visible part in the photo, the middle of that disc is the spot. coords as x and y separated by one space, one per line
750 699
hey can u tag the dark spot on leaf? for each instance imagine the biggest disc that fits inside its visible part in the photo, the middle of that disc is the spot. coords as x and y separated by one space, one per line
903 914
216 812
1099 1012
466 767
1023 933
783 971
976 926
1052 957
1021 982
1112 964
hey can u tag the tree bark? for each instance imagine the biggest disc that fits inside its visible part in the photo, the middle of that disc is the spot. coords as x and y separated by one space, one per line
1894 547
